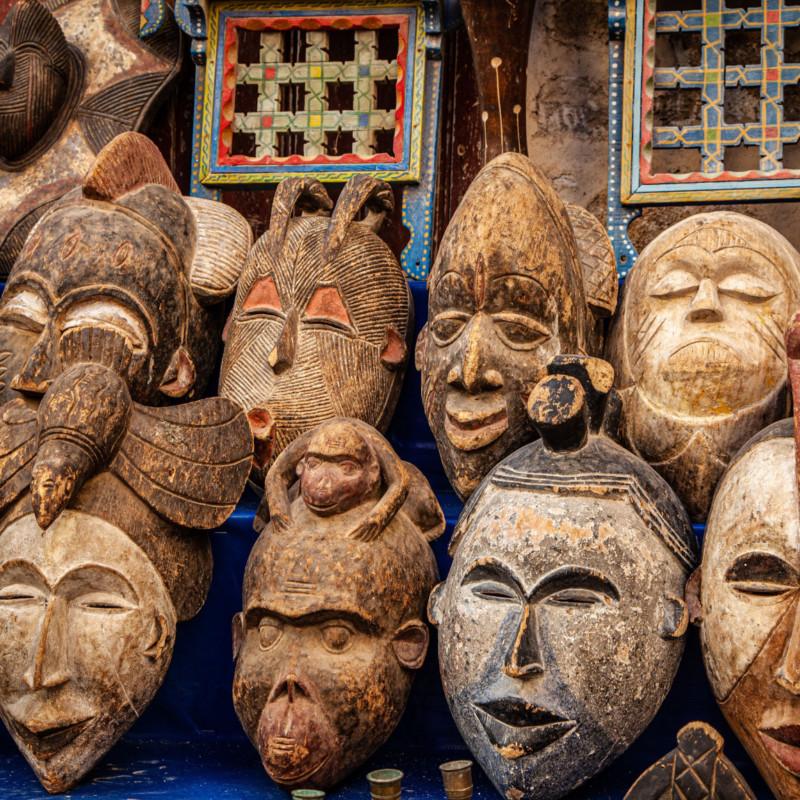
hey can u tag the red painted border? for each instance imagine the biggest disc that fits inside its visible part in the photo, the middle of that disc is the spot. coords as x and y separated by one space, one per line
371 22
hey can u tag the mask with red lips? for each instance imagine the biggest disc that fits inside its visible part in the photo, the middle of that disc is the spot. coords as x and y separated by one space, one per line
321 317
331 633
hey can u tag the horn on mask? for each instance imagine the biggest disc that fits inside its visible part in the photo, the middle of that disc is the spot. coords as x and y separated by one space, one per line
82 419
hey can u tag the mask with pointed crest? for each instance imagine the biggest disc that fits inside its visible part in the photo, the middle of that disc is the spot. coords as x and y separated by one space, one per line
518 279
98 562
561 621
123 272
332 628
321 318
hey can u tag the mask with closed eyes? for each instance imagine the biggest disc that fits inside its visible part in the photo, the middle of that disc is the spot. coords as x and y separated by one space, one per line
698 346
561 620
321 317
746 598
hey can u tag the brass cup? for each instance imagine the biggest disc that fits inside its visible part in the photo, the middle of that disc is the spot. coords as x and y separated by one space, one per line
384 784
308 794
457 778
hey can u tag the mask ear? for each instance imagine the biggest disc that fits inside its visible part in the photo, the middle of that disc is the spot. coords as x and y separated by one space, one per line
435 604
676 618
395 350
419 348
180 375
237 633
223 241
159 637
692 594
598 263
410 644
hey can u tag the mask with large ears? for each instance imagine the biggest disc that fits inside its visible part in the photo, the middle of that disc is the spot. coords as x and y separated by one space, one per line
698 346
122 272
332 628
561 621
97 562
519 278
321 318
747 599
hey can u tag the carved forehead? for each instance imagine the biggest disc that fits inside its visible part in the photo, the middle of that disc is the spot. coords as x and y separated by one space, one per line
339 440
756 505
535 532
719 231
386 581
77 540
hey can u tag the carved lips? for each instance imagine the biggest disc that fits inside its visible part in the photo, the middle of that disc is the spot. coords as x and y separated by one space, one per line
518 728
704 358
474 421
784 744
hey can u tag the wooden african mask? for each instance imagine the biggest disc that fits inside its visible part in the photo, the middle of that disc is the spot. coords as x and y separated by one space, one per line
697 767
332 628
698 346
73 75
124 272
321 317
516 281
746 597
97 564
562 617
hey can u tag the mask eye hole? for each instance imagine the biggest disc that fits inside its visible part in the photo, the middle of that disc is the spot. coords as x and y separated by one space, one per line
326 307
761 574
577 597
104 603
24 309
270 631
519 331
447 327
263 298
676 283
337 637
495 591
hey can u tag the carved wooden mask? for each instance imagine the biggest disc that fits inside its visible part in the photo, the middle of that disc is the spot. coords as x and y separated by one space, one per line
512 287
561 620
332 628
97 564
321 317
698 346
73 75
121 272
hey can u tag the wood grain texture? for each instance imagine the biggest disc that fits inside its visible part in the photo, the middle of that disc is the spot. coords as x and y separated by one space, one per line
332 628
561 621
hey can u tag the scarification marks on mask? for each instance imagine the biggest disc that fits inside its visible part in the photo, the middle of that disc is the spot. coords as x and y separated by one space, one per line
70 245
5 355
299 581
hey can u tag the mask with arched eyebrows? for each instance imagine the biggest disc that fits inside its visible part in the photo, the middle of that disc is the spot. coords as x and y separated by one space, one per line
122 272
321 318
519 278
97 562
561 620
698 346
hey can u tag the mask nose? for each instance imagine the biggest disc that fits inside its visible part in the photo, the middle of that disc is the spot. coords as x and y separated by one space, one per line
291 687
524 658
37 372
788 672
472 372
46 670
282 355
705 306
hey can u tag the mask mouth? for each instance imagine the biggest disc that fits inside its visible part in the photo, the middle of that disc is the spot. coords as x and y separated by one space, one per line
46 739
518 728
475 421
783 743
707 356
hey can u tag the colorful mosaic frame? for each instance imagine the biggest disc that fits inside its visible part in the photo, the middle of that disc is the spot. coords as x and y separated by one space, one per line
217 167
712 20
